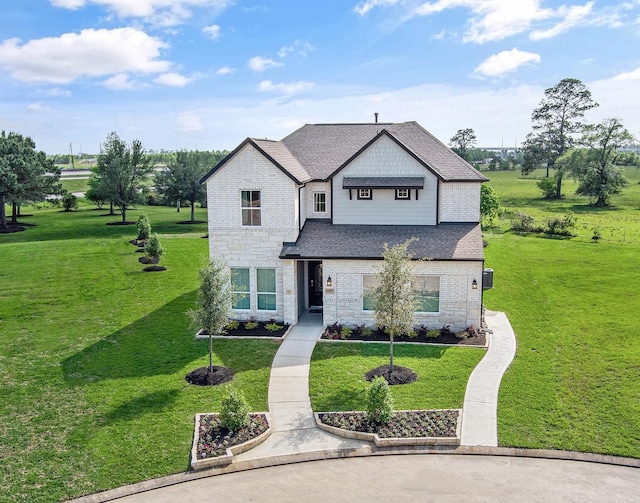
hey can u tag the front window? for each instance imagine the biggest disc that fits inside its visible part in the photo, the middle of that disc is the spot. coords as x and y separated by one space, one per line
427 290
365 194
240 288
266 289
319 202
251 208
369 284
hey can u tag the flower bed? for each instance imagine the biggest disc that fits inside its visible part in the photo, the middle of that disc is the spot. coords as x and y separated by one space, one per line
406 427
215 445
251 328
421 334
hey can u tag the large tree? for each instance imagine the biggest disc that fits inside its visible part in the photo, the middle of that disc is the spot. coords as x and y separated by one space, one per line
122 168
395 300
594 166
181 180
462 141
556 123
26 175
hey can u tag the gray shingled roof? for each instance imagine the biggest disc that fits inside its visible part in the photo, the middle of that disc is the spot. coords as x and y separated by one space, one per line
381 182
323 148
319 239
279 153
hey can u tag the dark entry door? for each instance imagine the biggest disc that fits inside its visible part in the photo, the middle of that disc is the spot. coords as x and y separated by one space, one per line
315 283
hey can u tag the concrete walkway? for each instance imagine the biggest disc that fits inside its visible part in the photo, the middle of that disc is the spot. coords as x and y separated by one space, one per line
295 430
480 408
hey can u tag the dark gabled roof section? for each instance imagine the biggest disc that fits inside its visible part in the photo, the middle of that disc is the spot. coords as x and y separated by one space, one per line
319 239
275 152
383 182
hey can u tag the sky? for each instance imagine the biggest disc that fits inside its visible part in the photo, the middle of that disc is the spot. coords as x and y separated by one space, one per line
206 74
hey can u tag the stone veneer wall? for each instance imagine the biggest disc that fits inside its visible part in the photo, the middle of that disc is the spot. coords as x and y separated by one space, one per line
253 247
460 305
459 202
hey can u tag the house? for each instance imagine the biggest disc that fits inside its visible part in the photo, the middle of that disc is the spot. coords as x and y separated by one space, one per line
302 222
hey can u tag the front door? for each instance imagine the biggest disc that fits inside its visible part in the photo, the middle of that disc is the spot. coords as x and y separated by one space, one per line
315 283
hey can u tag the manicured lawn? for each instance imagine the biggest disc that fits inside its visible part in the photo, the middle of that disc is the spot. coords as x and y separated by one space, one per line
75 185
337 380
94 352
573 305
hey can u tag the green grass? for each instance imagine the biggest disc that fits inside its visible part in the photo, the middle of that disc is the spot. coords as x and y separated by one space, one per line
573 304
337 372
94 352
75 185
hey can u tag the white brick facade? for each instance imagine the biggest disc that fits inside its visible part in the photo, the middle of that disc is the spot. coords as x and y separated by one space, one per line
459 202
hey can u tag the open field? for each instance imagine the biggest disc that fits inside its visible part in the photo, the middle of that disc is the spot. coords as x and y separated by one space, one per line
94 352
573 304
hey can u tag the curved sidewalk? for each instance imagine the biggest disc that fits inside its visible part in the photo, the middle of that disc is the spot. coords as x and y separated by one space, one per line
480 408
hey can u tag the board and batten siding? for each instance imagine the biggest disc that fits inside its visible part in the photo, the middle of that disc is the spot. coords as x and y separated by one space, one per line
308 200
385 158
252 246
459 202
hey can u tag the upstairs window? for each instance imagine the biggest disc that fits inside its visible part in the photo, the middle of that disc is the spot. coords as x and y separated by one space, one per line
365 194
251 208
319 202
403 194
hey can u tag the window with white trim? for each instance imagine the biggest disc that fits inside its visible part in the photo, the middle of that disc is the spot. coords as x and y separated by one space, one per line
266 289
251 208
319 202
365 194
427 289
403 194
240 288
369 284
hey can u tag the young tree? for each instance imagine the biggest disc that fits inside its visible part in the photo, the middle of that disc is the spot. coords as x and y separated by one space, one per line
555 123
594 167
489 204
181 180
395 300
462 142
97 190
213 305
122 169
26 175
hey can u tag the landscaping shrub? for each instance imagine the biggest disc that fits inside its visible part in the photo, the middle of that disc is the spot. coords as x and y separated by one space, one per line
232 325
251 323
379 401
562 226
235 410
548 187
154 248
333 331
144 227
346 332
434 333
445 331
596 235
524 223
69 202
272 326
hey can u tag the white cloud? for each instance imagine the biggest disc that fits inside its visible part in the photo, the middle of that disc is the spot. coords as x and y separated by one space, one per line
213 31
506 62
301 47
38 107
289 88
172 79
121 82
56 92
190 122
363 7
90 53
260 64
573 17
225 70
158 12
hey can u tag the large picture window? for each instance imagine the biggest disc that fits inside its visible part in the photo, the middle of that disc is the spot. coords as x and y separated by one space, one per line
427 290
319 202
240 288
369 284
266 289
251 208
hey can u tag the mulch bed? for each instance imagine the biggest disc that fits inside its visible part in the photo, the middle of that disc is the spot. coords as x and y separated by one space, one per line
379 335
154 268
202 377
214 439
119 223
403 424
148 260
11 230
400 375
259 331
188 222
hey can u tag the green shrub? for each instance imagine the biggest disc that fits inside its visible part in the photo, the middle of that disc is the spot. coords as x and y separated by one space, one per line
367 332
562 226
232 325
144 227
251 323
434 333
273 326
235 410
548 187
596 235
69 201
524 223
346 332
154 248
379 401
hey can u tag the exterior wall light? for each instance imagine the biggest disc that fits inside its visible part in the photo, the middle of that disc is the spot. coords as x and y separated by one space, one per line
329 282
474 285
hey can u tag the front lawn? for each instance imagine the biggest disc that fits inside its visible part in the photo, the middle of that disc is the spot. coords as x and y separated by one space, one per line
94 352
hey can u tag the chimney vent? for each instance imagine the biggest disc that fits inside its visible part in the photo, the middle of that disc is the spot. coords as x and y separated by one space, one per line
376 116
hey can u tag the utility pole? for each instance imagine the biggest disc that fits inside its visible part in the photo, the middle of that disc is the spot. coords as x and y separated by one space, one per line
71 154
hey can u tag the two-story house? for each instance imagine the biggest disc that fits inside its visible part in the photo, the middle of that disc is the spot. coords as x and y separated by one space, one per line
302 222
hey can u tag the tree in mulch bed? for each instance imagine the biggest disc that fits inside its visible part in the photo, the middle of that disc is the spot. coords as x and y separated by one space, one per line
211 314
395 305
379 401
144 230
69 202
154 251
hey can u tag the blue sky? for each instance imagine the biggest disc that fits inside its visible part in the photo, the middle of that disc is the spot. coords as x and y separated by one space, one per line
208 73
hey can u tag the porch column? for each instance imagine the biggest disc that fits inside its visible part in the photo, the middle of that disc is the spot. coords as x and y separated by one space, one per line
290 292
